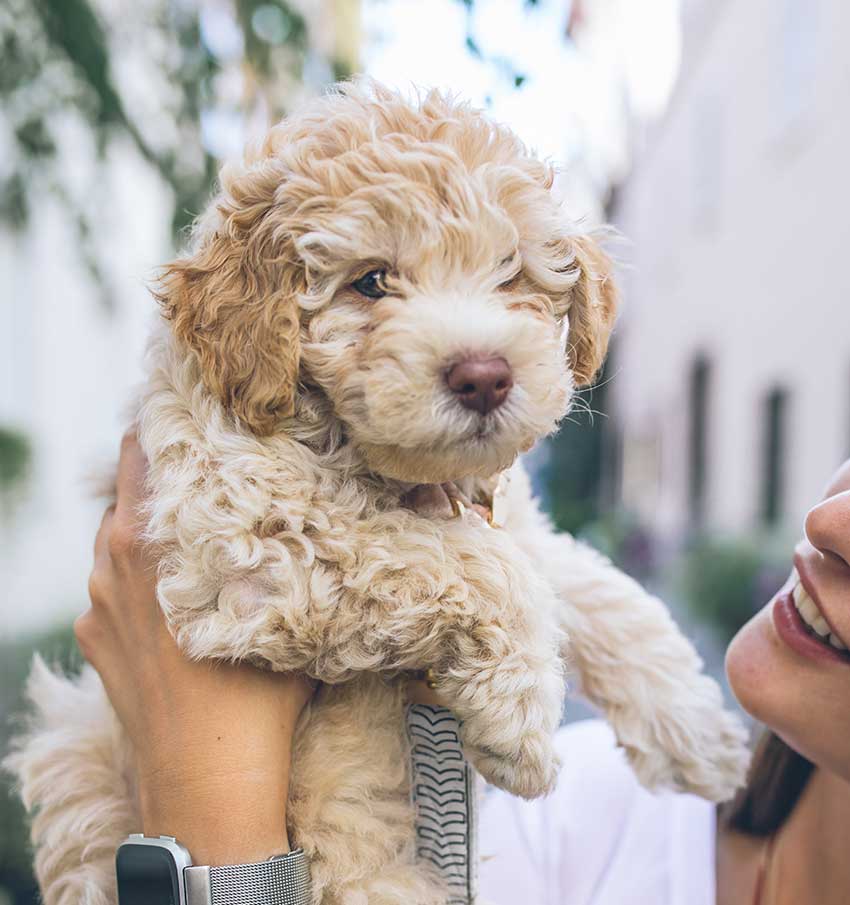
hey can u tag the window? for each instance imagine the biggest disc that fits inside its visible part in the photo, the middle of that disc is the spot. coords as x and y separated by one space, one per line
774 447
698 438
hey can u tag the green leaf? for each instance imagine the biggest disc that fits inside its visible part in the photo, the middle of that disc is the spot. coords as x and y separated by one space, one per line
14 210
34 139
15 455
72 26
472 46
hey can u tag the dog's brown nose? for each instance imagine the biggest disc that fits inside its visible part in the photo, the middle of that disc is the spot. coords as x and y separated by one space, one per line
482 385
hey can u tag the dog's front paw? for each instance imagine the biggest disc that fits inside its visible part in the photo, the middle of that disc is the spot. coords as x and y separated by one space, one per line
698 747
529 769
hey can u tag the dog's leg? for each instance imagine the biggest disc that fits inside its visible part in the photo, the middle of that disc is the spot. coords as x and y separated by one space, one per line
635 665
73 768
507 692
508 699
461 599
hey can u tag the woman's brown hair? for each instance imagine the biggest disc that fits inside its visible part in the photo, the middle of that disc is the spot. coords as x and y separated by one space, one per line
778 776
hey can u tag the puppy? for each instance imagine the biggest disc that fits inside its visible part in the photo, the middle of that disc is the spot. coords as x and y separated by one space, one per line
382 308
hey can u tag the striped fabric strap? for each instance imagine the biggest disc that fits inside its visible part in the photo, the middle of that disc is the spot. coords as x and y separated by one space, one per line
443 794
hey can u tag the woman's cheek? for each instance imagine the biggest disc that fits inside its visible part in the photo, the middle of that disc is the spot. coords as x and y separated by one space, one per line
769 680
751 668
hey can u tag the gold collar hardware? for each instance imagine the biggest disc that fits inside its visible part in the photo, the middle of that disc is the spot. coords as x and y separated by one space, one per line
424 675
458 508
499 502
493 510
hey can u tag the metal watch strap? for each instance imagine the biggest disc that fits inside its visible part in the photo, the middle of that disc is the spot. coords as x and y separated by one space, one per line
284 880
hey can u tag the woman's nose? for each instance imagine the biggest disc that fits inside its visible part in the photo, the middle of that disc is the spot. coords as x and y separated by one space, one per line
828 526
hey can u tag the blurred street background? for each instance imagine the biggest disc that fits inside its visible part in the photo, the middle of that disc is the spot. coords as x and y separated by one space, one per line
712 133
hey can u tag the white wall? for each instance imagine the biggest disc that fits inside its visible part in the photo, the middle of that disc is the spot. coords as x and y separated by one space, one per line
66 369
738 211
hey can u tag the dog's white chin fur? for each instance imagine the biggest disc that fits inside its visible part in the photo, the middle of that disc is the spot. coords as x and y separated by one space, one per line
416 466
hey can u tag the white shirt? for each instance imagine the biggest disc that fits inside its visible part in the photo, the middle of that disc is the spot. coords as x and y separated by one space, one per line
599 838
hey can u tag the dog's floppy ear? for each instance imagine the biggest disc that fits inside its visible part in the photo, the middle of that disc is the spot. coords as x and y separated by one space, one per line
233 304
591 307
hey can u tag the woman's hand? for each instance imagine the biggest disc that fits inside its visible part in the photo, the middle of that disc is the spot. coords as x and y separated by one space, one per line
212 740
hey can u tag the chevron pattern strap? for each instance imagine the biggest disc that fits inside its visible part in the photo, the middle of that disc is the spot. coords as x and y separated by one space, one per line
443 794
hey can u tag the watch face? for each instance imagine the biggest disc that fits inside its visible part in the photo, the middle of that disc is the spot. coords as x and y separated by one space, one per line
147 875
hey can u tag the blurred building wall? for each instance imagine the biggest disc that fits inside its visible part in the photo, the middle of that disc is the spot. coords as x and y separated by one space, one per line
70 352
732 361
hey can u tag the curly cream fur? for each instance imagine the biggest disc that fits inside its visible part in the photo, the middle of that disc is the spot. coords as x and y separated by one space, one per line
286 419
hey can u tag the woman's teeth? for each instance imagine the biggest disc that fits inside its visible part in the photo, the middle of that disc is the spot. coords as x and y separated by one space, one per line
811 616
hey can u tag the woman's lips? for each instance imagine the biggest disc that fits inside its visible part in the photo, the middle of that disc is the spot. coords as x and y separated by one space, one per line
791 629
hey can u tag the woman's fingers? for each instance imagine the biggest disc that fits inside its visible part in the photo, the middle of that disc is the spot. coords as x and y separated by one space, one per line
130 480
85 630
125 533
101 538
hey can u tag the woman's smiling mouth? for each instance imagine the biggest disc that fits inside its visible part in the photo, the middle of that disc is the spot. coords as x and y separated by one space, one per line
813 618
801 624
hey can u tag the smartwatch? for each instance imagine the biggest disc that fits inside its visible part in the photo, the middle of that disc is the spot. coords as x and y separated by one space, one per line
158 870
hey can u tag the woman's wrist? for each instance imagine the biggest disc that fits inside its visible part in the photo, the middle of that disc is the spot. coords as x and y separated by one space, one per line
220 817
217 778
219 783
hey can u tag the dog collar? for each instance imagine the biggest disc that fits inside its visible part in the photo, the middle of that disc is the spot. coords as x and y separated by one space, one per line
490 504
494 504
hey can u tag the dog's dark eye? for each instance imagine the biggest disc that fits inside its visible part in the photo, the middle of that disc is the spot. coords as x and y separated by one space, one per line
371 284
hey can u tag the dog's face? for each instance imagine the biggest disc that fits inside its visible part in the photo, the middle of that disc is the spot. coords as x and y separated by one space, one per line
410 261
